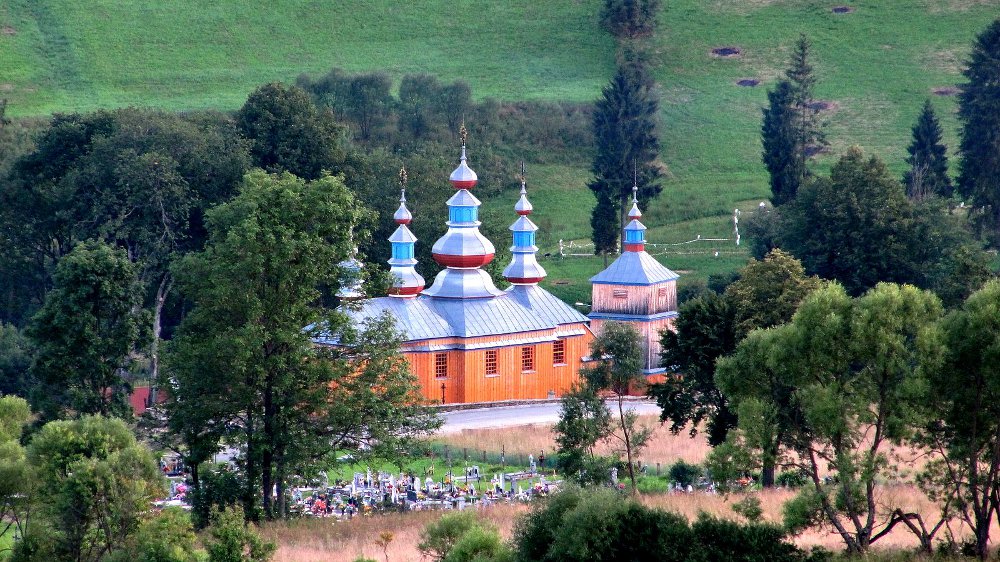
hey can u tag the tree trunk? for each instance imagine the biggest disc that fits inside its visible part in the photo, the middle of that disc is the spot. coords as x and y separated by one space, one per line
267 454
628 444
767 474
154 348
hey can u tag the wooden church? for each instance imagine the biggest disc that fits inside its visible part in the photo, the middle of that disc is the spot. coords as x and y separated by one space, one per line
468 341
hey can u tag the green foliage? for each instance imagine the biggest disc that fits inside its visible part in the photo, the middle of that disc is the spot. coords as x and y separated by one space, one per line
480 544
963 382
15 360
630 19
87 332
287 132
768 292
704 333
462 537
803 511
627 149
17 479
231 539
749 508
217 490
95 485
271 252
856 226
841 370
601 525
685 473
783 158
167 536
928 160
979 112
584 421
439 537
619 371
652 485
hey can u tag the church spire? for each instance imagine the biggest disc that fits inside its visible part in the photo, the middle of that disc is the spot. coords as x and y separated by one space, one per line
406 282
463 250
635 231
524 268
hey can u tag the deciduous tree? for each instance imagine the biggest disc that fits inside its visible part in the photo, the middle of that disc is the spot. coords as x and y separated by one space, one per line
87 332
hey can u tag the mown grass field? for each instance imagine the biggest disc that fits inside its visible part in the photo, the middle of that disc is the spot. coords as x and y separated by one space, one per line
875 65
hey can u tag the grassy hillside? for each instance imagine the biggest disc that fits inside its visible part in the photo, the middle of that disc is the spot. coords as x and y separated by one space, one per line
875 64
182 54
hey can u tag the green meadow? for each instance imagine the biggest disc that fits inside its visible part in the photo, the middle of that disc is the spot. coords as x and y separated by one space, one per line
875 66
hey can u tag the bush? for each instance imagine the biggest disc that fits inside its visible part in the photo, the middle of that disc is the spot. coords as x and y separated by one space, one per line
218 490
684 473
166 537
728 541
438 538
599 525
630 19
790 479
231 539
749 507
480 544
652 484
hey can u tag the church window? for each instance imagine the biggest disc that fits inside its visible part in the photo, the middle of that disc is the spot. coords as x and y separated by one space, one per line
559 352
491 362
663 292
441 365
528 358
620 293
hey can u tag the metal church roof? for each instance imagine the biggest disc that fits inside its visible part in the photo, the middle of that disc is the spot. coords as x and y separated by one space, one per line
634 268
519 309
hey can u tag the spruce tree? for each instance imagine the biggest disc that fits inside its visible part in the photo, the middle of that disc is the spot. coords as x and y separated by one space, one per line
627 143
928 173
791 127
781 157
979 111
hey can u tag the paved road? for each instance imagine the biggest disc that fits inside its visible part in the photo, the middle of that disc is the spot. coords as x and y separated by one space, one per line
507 416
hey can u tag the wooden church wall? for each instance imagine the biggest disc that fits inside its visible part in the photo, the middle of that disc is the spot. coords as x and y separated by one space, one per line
467 380
635 299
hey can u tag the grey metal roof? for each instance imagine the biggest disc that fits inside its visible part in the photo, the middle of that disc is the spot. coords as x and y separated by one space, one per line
519 309
634 268
462 284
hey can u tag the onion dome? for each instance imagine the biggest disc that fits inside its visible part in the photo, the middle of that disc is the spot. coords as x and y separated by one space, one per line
406 282
463 177
524 268
635 231
351 289
463 247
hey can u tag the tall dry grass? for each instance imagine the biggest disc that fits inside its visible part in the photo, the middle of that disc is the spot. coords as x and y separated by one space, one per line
329 540
664 447
317 540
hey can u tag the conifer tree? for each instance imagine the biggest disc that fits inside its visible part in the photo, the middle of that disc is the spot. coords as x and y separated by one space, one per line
627 144
979 111
781 157
791 127
928 173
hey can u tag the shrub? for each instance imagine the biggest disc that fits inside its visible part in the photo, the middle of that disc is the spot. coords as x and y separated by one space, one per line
166 537
652 484
749 507
685 473
438 538
231 539
480 544
218 490
790 479
728 541
629 19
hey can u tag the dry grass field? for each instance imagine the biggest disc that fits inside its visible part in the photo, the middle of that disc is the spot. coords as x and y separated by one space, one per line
327 539
664 447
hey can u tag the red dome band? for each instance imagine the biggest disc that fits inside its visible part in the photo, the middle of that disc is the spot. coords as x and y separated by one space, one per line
463 184
524 280
405 290
448 260
635 247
